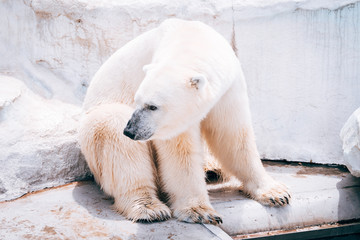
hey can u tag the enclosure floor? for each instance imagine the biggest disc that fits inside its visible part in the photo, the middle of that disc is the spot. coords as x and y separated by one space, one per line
320 195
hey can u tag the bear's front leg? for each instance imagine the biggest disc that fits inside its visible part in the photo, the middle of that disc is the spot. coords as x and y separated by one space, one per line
183 178
229 133
121 166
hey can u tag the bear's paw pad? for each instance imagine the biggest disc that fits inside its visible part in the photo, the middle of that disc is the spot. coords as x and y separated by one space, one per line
198 214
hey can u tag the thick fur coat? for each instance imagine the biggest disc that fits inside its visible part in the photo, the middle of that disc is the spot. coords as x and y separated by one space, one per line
148 111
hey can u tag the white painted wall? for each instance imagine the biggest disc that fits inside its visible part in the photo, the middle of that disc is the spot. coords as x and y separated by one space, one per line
301 58
303 73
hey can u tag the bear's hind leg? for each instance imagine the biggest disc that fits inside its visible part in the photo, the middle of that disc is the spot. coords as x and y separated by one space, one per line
123 168
229 133
182 176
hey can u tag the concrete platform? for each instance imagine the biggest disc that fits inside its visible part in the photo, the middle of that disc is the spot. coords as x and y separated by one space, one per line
81 211
320 195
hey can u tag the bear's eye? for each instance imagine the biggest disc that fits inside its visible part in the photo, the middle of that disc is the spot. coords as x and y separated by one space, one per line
152 107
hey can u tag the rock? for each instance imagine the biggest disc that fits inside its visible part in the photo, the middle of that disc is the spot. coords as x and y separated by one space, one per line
350 135
38 141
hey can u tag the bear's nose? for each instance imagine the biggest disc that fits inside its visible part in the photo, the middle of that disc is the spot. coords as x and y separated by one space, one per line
129 133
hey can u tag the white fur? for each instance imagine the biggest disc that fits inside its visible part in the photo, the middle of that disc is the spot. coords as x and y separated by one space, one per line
192 76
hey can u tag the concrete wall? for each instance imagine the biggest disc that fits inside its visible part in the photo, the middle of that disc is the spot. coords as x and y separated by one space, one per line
301 59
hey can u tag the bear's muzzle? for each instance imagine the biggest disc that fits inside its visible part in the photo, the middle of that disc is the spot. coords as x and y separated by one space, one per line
136 128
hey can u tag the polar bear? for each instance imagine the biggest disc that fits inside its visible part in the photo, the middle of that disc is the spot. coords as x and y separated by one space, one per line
147 112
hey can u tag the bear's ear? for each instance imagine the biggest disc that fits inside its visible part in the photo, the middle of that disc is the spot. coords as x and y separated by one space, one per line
198 82
147 67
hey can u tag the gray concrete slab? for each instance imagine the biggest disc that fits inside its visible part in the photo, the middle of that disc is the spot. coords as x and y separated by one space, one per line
81 211
319 195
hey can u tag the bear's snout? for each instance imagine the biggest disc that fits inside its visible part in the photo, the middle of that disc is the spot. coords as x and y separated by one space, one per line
130 130
129 133
136 129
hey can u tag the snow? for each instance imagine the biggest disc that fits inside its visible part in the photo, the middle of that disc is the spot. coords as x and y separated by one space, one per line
300 58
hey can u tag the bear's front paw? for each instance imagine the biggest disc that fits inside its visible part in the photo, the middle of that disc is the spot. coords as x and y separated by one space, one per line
271 193
148 212
198 214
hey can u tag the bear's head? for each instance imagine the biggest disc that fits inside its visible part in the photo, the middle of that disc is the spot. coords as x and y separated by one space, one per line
168 102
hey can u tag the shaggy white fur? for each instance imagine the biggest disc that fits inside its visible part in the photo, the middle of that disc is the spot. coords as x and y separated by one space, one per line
169 89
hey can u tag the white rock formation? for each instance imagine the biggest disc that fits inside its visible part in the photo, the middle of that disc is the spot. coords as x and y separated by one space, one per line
38 142
350 135
300 58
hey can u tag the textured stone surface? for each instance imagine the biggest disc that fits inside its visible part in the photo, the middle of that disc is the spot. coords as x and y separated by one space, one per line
82 211
350 135
38 142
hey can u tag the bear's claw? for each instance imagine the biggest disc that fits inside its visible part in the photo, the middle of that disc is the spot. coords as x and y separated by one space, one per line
146 213
199 214
273 194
